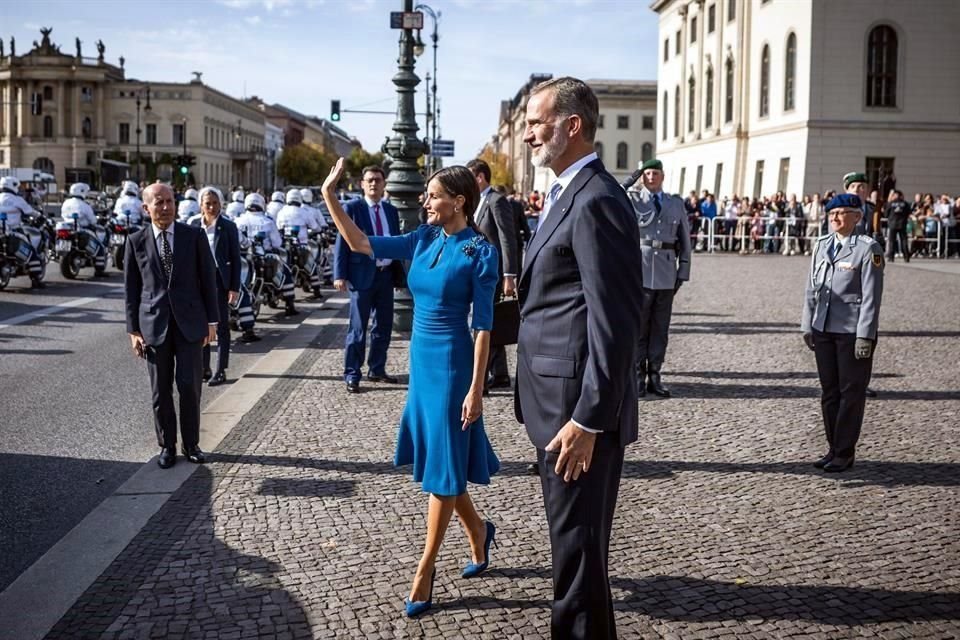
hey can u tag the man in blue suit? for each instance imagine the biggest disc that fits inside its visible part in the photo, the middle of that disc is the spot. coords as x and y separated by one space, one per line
576 392
369 281
171 309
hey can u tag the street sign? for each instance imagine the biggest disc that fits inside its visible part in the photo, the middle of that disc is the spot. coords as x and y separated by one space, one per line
406 20
442 148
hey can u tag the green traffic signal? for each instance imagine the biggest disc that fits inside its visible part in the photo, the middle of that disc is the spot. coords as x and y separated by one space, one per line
184 170
335 110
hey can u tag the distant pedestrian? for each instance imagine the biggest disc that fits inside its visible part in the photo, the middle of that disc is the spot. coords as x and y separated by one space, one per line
897 214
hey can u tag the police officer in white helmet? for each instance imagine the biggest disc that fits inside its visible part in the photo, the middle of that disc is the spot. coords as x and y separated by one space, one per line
306 196
276 203
236 207
76 205
296 215
254 220
15 207
189 206
129 206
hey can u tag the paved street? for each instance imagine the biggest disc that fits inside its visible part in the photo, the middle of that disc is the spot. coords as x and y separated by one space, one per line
302 528
76 419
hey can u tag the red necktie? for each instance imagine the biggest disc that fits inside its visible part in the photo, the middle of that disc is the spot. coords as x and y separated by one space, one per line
376 216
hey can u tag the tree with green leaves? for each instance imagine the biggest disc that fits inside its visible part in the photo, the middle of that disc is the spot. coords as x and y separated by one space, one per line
358 159
304 165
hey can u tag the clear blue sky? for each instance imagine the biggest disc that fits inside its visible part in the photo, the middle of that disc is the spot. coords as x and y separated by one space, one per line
303 53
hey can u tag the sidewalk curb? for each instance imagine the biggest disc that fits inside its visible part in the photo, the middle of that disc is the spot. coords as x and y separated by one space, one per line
44 592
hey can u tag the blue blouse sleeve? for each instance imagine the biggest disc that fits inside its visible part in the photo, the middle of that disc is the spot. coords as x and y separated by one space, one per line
486 272
397 247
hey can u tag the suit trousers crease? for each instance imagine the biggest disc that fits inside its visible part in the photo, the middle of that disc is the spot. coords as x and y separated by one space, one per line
223 332
377 301
176 361
580 519
843 382
655 311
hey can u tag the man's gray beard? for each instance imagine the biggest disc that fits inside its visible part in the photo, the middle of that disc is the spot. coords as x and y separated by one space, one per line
550 151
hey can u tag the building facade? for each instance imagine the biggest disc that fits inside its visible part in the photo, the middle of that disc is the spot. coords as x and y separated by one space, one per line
759 96
626 131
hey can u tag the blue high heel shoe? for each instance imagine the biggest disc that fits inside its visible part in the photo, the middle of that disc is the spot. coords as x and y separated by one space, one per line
474 569
417 607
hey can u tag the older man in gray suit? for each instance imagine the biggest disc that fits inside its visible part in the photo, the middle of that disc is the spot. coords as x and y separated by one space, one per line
841 312
665 251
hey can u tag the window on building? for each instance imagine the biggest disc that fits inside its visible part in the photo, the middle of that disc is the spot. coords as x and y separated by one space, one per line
691 104
784 174
206 136
758 180
882 67
47 127
91 158
178 132
666 49
646 152
623 122
708 99
647 123
699 177
676 112
47 92
665 110
600 121
123 133
86 94
44 164
86 128
790 73
693 29
683 177
711 18
717 179
151 134
3 156
677 43
764 1
877 169
731 10
728 91
598 149
621 155
765 81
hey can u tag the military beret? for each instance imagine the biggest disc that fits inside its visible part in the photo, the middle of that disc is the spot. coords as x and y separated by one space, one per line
844 201
850 178
652 163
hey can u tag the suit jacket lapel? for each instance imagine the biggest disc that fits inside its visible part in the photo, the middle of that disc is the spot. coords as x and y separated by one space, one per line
216 234
484 207
153 254
178 239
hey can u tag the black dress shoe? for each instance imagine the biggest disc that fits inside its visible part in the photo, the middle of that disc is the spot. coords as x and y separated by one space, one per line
249 336
836 465
291 311
168 457
656 387
353 386
218 379
207 374
500 382
533 469
194 454
383 377
316 295
822 462
871 393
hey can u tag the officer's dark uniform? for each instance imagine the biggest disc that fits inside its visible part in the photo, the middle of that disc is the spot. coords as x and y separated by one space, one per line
842 305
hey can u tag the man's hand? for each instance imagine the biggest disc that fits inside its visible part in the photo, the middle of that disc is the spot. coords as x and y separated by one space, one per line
676 287
340 285
863 349
138 345
232 297
808 340
509 286
576 451
211 334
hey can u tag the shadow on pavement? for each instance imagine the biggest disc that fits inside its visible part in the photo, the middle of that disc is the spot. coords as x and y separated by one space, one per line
308 488
779 391
764 375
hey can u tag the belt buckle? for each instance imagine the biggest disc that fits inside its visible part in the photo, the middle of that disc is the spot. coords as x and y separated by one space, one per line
656 244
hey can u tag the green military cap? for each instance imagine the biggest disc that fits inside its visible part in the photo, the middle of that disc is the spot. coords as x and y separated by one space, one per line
855 176
652 163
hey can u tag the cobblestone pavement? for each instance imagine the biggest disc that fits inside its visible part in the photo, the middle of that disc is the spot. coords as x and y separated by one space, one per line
301 527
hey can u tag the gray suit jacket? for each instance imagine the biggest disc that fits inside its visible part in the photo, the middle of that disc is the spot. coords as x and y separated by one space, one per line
496 221
843 294
662 267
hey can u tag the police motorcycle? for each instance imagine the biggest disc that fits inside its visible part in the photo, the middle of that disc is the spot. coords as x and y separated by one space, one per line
267 275
248 279
304 257
78 246
327 237
15 250
123 225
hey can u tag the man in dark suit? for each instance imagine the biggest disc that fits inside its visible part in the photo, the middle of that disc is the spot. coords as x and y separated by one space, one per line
369 281
494 218
171 308
224 241
576 391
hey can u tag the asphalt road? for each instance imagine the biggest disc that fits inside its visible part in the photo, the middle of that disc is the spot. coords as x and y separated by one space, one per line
75 417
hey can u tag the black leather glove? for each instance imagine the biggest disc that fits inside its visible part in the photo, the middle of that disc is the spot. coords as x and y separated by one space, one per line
676 287
863 349
808 340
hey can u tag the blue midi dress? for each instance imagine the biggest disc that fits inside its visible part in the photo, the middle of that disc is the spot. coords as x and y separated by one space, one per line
448 275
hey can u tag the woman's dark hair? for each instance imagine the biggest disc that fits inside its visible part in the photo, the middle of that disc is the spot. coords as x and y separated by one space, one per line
459 181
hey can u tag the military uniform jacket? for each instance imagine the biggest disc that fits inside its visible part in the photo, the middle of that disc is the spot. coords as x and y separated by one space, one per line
662 267
843 293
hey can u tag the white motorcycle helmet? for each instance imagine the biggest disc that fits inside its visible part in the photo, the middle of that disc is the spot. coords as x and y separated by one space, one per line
254 202
238 196
293 196
306 196
130 188
79 190
9 183
277 196
190 194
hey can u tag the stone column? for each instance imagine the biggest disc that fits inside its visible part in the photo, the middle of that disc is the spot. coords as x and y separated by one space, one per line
23 104
699 96
682 84
4 109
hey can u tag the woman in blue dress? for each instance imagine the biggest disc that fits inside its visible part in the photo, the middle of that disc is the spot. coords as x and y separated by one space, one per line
441 432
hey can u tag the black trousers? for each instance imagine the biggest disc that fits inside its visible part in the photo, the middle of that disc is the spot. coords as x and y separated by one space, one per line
843 383
176 360
894 236
497 362
656 307
580 518
223 333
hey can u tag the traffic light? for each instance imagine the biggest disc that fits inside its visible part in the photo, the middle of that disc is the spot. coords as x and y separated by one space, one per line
184 169
335 110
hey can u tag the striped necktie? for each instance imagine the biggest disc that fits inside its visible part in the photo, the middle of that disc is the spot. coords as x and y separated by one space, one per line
548 205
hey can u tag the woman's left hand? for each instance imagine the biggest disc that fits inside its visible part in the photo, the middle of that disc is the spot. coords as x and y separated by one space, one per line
472 408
